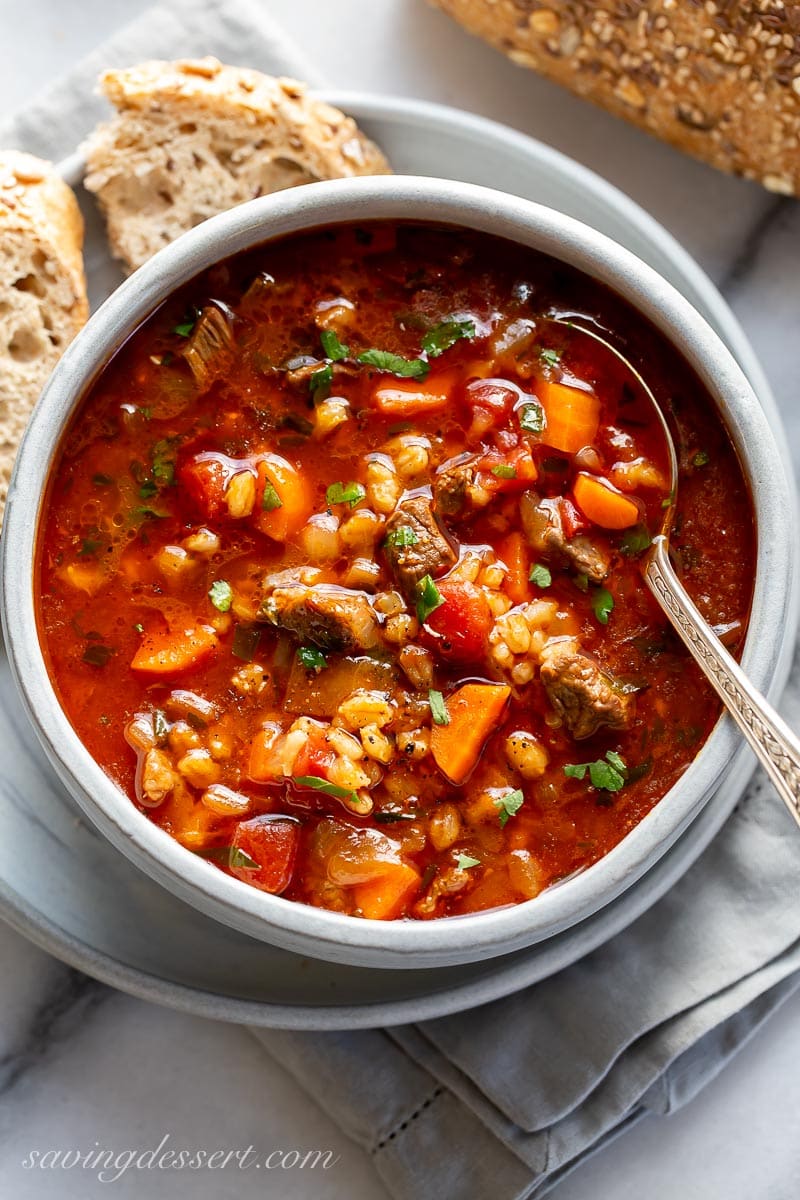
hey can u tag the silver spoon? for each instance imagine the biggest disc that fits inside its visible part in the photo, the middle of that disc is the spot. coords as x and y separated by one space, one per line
777 747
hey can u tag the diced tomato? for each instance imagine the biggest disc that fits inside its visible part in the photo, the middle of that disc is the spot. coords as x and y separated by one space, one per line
204 478
459 627
491 403
511 472
271 842
573 521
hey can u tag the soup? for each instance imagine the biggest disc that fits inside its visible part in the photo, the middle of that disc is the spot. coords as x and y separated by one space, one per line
340 570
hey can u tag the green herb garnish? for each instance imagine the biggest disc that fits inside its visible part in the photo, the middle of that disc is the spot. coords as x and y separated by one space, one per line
581 582
148 489
438 708
230 856
531 418
550 357
606 774
185 328
701 459
324 785
319 381
89 546
270 500
245 642
602 604
541 576
404 535
97 655
508 805
311 658
429 598
345 493
445 335
221 595
465 861
505 471
334 349
635 541
395 364
163 456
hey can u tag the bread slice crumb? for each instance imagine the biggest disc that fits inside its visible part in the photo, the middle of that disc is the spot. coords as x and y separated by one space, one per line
194 138
42 289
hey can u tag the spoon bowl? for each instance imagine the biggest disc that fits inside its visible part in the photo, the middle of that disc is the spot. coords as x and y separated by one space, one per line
775 744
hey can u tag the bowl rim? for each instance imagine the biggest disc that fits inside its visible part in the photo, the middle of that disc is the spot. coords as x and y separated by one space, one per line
290 924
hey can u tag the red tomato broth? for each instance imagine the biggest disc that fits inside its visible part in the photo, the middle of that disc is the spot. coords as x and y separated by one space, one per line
133 478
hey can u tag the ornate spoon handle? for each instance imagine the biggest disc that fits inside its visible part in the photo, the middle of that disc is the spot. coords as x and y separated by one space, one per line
777 747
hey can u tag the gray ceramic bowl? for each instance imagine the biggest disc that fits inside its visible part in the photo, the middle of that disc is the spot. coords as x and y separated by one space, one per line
295 926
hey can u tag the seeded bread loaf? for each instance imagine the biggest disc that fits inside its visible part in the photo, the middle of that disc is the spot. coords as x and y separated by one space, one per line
42 289
193 138
719 79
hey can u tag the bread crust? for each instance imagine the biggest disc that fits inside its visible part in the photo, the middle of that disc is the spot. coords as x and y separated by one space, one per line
718 79
247 133
43 300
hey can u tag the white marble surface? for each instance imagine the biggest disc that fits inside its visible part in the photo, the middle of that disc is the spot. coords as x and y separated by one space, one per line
81 1066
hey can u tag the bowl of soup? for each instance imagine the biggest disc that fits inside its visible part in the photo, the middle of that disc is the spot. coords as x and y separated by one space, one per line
322 569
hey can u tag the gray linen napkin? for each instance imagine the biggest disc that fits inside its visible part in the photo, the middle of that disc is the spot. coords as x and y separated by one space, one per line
502 1102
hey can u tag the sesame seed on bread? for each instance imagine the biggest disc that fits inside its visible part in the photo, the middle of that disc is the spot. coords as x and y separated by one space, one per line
719 79
42 289
193 138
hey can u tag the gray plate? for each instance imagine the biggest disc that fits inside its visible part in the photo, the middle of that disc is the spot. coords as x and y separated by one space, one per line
65 887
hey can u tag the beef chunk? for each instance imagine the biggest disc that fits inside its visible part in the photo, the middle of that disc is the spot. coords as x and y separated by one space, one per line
208 351
544 529
429 554
582 694
325 615
452 485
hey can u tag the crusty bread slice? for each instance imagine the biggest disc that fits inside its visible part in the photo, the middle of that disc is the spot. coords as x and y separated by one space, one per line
193 138
42 289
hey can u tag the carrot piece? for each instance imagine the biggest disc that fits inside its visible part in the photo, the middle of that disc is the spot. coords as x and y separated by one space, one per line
601 503
513 551
288 500
475 711
384 898
573 416
263 763
414 397
167 653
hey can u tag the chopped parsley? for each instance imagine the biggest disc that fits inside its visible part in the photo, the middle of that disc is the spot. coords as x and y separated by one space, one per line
221 595
701 459
581 582
465 861
97 655
540 575
445 335
531 418
404 535
508 805
270 500
185 328
345 493
438 708
324 785
635 541
504 471
230 856
395 364
606 774
163 455
311 658
429 598
550 358
139 627
89 546
148 489
319 381
334 349
602 604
